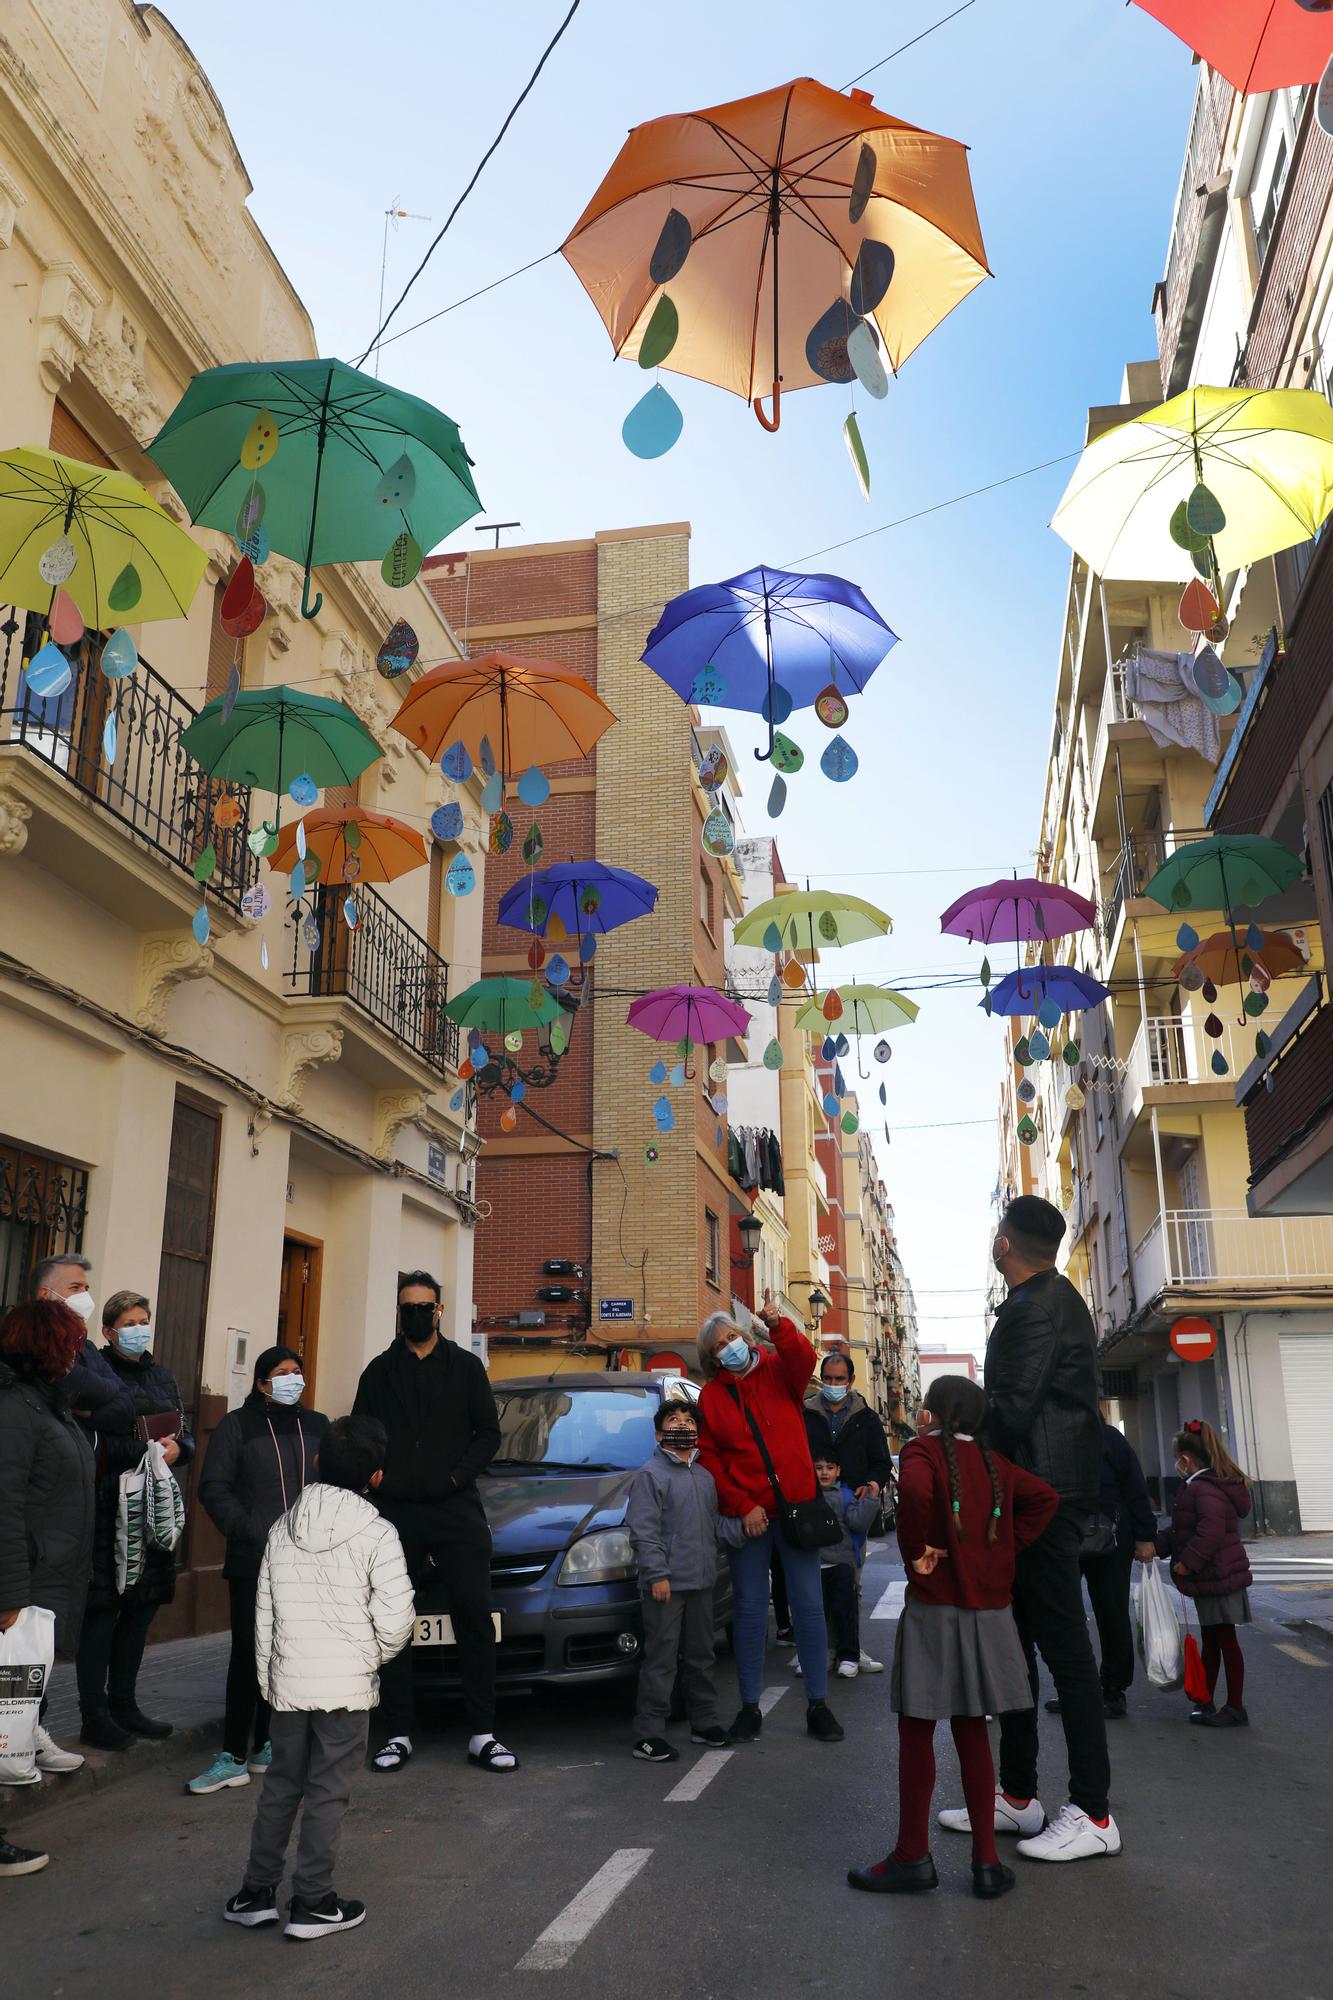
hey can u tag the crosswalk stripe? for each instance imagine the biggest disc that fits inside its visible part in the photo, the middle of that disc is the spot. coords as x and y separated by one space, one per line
563 1936
702 1774
770 1698
891 1604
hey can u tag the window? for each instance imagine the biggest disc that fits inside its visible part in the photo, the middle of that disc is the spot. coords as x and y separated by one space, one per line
705 898
43 1206
712 1248
1268 181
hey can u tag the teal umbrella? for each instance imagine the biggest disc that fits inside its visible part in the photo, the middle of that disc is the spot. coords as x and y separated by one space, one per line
269 736
1224 872
318 461
503 1006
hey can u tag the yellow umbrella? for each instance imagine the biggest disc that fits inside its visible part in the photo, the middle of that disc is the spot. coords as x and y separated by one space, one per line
1249 471
98 533
861 1010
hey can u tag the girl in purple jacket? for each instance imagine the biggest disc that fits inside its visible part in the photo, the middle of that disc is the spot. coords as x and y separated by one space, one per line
1209 1563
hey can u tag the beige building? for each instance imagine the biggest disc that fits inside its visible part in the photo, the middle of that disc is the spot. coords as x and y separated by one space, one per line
261 1151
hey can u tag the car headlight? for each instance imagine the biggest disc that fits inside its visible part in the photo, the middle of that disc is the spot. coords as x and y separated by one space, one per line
606 1557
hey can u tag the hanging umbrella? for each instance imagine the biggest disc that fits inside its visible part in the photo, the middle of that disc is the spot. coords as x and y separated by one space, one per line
692 1014
117 553
756 213
530 711
272 735
587 898
1225 872
1264 459
502 1006
352 845
838 919
1020 910
1032 986
333 465
728 644
1256 45
863 1010
1227 963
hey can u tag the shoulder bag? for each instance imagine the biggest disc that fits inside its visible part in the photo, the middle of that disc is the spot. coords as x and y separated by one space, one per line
805 1524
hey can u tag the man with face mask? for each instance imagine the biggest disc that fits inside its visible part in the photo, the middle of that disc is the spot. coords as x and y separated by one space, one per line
437 1407
92 1389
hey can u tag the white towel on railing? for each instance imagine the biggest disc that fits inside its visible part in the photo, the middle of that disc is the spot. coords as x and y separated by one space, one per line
1162 688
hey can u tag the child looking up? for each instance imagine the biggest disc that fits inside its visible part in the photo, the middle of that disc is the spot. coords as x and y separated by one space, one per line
838 1565
1209 1563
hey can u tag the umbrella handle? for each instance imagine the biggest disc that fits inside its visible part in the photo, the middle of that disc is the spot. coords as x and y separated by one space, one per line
309 610
770 424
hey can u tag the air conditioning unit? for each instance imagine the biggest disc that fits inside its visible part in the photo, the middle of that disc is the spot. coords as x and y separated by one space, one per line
561 1267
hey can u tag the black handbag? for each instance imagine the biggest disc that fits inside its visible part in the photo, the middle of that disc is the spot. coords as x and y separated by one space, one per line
805 1524
1096 1536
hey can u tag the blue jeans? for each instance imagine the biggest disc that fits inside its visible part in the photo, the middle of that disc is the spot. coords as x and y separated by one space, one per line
749 1582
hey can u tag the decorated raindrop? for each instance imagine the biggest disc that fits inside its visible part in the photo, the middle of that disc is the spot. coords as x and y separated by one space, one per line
557 972
402 562
773 1055
460 878
882 1051
456 763
199 924
533 845
120 656
126 591
446 822
48 673
501 834
839 761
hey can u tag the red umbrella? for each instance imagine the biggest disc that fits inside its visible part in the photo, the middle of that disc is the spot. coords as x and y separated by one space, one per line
1255 44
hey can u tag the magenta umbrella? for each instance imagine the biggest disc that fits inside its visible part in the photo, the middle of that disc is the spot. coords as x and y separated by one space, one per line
687 1013
1018 910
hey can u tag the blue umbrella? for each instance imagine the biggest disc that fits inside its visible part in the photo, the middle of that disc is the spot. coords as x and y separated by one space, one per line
730 645
1024 991
587 896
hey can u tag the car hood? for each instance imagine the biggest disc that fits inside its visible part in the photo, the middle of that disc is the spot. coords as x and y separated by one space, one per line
528 1511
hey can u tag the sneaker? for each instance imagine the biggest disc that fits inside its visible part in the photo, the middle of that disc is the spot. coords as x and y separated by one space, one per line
655 1750
848 1670
137 1723
785 1635
1009 1818
1208 1718
1115 1708
260 1760
796 1667
252 1906
712 1738
1072 1836
50 1756
869 1664
748 1724
20 1860
99 1732
225 1770
330 1913
823 1724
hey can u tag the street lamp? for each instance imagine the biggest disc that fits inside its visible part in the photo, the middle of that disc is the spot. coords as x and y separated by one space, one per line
750 1229
819 1303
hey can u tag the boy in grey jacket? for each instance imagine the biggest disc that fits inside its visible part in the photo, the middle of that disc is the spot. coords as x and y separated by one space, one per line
838 1565
672 1523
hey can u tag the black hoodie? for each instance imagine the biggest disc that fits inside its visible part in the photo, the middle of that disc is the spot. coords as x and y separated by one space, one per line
257 1461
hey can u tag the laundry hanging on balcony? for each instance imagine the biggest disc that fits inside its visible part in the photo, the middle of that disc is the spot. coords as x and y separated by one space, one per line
1163 689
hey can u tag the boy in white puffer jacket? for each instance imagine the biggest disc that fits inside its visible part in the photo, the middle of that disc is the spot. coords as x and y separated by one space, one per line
334 1603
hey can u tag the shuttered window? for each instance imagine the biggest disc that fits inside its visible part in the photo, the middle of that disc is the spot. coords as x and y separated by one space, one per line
222 650
72 441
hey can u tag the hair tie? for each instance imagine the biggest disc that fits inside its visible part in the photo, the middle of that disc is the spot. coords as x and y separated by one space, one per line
1194 1425
955 1506
995 1513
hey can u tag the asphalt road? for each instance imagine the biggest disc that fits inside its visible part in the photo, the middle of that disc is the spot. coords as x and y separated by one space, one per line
582 1875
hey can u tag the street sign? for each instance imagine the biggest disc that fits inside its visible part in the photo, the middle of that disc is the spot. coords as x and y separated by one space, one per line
1194 1339
615 1308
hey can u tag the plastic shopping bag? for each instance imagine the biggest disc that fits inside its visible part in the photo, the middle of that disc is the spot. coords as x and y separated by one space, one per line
164 1509
27 1650
1159 1630
150 1514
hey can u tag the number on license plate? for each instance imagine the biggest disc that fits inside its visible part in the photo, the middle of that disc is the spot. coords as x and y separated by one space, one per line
437 1629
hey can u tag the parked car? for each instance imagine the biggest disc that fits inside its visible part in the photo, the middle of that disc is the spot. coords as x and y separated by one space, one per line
563 1581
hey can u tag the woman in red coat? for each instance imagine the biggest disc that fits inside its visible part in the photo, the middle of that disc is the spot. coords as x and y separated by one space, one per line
749 1387
1209 1563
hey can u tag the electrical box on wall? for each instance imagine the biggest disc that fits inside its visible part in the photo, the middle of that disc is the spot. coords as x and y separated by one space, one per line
561 1267
558 1294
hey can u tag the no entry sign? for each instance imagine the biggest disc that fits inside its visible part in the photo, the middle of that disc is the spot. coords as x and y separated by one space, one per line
1194 1339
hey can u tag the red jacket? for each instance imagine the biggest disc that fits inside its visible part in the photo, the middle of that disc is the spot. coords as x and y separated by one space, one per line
976 1574
773 1392
1205 1536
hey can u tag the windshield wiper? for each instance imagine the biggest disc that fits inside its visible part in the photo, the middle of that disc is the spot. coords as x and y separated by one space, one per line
546 1465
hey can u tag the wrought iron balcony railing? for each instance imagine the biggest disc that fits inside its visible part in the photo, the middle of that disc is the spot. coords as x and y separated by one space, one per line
384 967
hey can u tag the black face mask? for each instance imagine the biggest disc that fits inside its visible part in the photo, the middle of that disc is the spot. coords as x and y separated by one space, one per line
416 1322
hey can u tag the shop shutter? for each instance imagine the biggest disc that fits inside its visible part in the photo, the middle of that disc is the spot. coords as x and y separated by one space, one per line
1307 1378
71 440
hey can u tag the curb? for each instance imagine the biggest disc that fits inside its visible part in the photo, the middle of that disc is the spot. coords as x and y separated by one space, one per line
55 1794
1316 1628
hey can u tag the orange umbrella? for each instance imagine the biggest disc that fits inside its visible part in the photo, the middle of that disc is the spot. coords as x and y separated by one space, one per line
1227 961
532 712
769 202
377 847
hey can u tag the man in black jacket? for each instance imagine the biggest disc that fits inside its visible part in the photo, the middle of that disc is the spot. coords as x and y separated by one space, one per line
1131 1531
92 1389
436 1404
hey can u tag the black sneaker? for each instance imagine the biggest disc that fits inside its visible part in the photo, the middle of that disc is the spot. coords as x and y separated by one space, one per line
748 1724
136 1723
655 1750
252 1906
99 1732
715 1738
1114 1707
20 1860
822 1723
330 1913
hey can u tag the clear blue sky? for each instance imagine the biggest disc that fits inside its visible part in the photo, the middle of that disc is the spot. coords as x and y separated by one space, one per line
1076 112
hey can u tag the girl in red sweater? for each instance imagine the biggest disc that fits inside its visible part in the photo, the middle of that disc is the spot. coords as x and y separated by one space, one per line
963 1514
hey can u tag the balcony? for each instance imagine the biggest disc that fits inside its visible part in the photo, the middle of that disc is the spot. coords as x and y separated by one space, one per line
1226 1247
1288 1102
1171 1052
151 803
1135 865
385 969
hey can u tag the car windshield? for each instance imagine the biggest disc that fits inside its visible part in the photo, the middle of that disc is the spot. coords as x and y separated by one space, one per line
575 1429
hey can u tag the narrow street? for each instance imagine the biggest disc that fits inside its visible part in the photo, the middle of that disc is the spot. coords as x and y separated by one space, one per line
722 1875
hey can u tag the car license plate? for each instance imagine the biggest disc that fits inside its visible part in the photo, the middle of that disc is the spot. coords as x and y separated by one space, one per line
437 1629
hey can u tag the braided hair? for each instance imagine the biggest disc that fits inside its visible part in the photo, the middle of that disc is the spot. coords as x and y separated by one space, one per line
959 1404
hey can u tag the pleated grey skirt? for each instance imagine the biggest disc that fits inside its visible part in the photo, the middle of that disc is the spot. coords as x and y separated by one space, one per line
949 1661
1233 1609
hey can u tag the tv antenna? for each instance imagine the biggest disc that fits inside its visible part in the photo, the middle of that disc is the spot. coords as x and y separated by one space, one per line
393 215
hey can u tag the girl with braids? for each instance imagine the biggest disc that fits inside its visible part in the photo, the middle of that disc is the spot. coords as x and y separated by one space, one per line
1209 1563
963 1514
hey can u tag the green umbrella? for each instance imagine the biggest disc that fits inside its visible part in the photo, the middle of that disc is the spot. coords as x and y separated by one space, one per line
1223 872
321 462
271 735
503 1006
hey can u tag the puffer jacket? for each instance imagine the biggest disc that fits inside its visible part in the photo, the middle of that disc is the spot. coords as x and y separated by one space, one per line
1041 1379
257 1461
334 1603
1204 1536
772 1394
46 1504
672 1522
155 1392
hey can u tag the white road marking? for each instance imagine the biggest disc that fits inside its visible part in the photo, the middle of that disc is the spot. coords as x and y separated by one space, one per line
562 1938
702 1774
891 1604
769 1699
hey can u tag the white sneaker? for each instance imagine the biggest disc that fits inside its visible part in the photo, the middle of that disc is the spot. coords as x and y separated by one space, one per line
50 1756
796 1667
847 1670
869 1664
1027 1820
1072 1836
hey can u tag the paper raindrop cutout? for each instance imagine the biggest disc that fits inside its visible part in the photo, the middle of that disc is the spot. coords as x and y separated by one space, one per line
49 673
66 620
492 792
126 591
831 706
872 274
109 743
777 796
533 845
717 836
653 425
863 352
707 688
788 757
534 787
446 822
659 336
863 182
256 902
839 761
120 656
456 763
856 451
776 705
882 1051
773 1055
57 563
398 650
826 343
460 877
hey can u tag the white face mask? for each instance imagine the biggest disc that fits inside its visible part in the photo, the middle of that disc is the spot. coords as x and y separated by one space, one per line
134 1340
287 1388
83 1303
736 1354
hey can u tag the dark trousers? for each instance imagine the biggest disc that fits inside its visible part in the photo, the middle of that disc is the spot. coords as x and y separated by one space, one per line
464 1569
316 1756
840 1609
247 1716
1107 1579
1048 1610
110 1649
677 1652
778 1577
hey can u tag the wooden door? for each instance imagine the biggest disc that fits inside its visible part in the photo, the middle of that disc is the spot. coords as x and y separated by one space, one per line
298 1303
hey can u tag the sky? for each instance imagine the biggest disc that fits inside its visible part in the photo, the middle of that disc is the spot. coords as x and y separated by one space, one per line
1076 113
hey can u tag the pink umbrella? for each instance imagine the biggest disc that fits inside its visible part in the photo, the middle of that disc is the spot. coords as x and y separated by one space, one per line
693 1013
1019 910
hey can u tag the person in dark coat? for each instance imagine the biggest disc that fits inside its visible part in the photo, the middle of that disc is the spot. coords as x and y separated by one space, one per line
841 1425
436 1403
1209 1563
258 1459
115 1624
1130 1531
102 1403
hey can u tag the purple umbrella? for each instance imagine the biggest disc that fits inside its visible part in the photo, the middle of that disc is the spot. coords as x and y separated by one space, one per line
693 1013
1018 910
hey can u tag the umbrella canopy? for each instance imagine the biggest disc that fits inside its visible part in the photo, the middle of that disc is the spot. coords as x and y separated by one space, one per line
1223 872
767 188
1018 911
502 1006
124 546
687 1013
811 917
1229 961
1256 45
530 711
1265 457
275 734
349 466
352 845
1024 991
863 1010
588 898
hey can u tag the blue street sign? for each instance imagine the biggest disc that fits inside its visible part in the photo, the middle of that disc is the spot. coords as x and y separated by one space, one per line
615 1309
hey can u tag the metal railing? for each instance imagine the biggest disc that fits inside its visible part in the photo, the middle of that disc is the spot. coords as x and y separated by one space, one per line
384 967
1228 1246
1173 1049
1134 867
150 784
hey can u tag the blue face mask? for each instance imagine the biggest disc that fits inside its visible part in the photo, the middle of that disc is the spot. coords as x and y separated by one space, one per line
736 1354
287 1388
133 1341
833 1392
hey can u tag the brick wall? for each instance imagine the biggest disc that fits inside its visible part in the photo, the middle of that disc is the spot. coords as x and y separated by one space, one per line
540 1208
1213 109
1282 301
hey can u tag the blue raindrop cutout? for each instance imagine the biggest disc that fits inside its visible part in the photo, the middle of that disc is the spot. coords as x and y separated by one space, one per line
557 971
109 737
842 1046
775 991
829 1048
839 761
303 790
1038 1047
658 1073
677 1076
831 1104
456 1101
776 705
534 787
460 877
446 822
587 947
653 425
456 763
1254 938
777 795
1049 1013
298 881
772 938
665 1116
49 673
707 688
492 793
518 1090
199 924
1187 937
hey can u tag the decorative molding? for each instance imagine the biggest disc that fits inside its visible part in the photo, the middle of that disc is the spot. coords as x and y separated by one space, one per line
303 1049
64 322
166 959
115 366
12 199
15 812
393 1110
353 670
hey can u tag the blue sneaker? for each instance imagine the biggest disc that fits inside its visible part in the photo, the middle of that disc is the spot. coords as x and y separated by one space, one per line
260 1760
224 1770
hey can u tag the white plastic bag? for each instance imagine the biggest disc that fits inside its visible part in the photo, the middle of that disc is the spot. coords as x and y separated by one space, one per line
1159 1630
150 1513
27 1651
